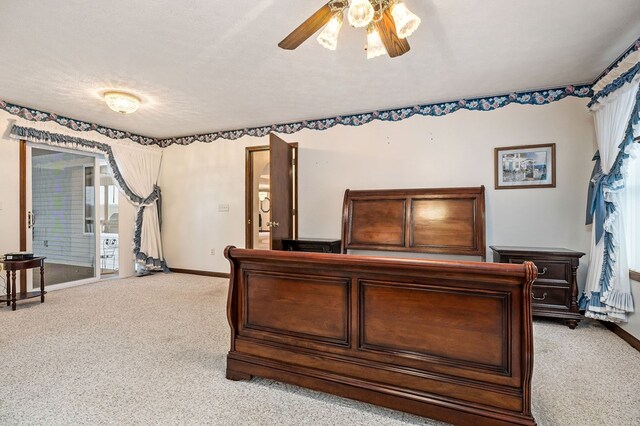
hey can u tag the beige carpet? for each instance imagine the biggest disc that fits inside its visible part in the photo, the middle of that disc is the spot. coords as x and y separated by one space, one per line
152 351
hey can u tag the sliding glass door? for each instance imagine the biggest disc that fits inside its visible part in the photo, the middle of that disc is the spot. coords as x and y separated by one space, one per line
72 216
57 222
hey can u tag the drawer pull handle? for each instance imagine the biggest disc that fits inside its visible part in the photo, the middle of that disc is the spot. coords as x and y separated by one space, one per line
544 296
544 271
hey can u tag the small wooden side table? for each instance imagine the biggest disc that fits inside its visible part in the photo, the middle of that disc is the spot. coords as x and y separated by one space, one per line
16 265
555 292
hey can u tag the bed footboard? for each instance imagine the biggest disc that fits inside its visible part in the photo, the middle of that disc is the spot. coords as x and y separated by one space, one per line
446 340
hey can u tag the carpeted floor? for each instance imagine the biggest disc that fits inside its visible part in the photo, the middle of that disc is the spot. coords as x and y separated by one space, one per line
152 351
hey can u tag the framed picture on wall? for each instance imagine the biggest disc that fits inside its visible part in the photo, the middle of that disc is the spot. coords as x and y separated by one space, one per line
525 166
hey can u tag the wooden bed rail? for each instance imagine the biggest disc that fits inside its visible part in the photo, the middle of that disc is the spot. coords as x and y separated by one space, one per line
442 339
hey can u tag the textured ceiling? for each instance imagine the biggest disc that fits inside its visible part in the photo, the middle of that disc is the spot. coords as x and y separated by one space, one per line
206 65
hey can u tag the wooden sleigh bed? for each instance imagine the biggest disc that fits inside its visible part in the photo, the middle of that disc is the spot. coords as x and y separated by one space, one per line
449 340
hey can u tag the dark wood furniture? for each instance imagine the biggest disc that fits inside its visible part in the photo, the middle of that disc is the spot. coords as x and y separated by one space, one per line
11 267
316 245
441 339
555 292
440 220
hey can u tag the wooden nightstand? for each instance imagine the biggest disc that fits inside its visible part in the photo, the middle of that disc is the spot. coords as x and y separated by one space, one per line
555 292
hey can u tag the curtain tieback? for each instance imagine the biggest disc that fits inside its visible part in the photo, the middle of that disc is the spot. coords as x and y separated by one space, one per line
153 197
597 203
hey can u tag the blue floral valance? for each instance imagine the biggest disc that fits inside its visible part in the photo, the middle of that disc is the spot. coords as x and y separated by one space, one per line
616 84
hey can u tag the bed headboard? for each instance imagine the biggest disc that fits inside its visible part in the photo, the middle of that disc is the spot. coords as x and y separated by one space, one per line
431 220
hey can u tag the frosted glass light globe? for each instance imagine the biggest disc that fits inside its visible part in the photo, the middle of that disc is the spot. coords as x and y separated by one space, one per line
360 13
406 21
375 47
329 36
124 103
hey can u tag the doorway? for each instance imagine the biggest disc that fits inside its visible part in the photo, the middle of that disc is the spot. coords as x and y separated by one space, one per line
71 209
271 191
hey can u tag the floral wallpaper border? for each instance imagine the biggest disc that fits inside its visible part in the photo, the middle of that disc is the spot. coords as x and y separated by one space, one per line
537 97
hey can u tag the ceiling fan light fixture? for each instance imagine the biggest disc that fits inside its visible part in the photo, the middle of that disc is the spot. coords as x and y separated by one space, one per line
329 36
375 47
406 21
122 102
360 13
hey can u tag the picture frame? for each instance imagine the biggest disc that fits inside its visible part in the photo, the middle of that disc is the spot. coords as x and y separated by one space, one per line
525 166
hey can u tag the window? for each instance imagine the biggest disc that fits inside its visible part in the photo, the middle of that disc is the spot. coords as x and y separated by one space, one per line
632 214
89 200
108 201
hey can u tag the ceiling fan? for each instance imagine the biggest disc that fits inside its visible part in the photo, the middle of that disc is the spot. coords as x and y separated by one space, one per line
388 23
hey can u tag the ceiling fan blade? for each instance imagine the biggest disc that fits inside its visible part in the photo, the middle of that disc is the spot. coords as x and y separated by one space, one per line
387 29
307 28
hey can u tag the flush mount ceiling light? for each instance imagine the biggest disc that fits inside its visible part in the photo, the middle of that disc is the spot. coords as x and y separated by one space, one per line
388 24
122 102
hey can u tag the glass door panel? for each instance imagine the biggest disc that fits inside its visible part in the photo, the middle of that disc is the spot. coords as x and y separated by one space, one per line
109 239
63 206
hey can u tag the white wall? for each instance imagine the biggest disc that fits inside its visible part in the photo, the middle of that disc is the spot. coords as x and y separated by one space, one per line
9 197
633 326
10 192
455 150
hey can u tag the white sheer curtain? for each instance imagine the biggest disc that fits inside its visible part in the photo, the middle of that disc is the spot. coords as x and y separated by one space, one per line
140 168
612 115
607 287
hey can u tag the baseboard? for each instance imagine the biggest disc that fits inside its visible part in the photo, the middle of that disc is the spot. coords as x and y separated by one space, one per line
203 273
624 335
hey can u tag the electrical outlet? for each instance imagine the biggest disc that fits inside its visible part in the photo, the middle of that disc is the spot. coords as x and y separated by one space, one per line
213 252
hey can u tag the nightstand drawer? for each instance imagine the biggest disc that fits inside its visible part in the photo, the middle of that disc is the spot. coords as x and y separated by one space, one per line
549 270
550 295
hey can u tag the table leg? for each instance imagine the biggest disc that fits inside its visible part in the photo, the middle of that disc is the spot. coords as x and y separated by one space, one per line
13 290
8 288
571 323
41 283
